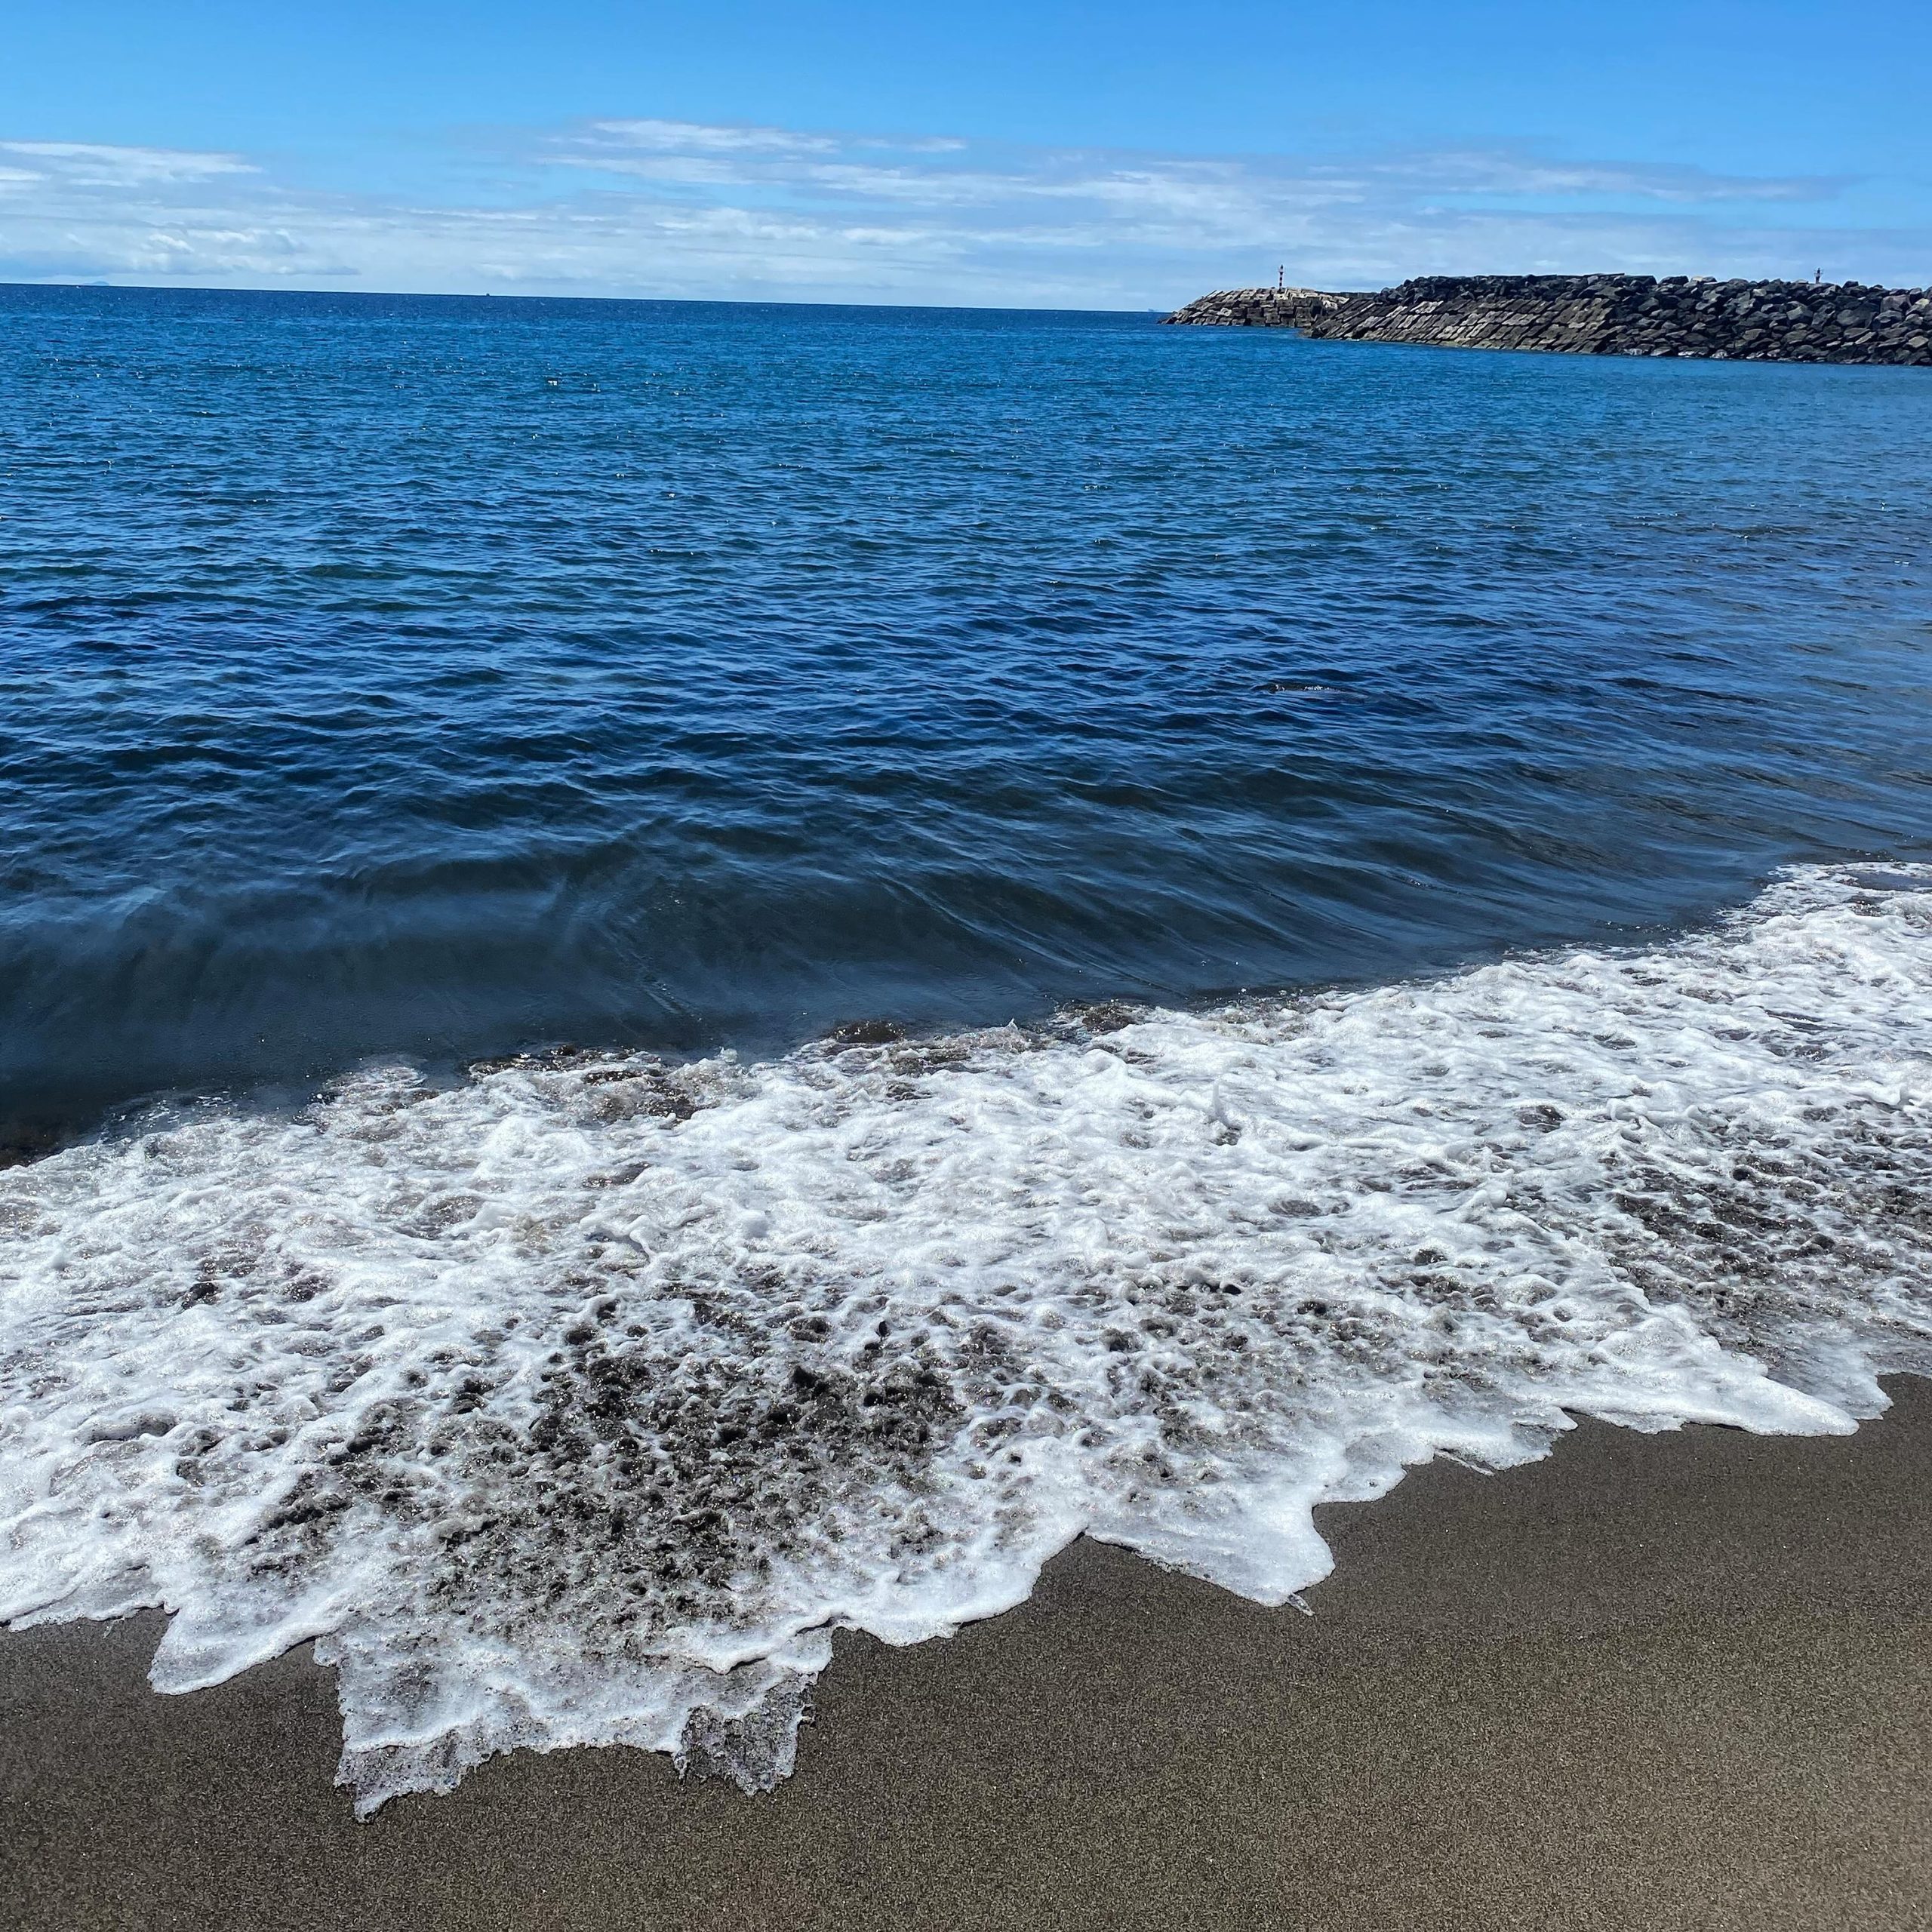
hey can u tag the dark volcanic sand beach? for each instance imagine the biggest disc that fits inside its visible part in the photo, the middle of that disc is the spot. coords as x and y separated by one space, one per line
1667 1680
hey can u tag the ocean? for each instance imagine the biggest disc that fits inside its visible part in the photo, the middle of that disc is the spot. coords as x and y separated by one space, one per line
674 976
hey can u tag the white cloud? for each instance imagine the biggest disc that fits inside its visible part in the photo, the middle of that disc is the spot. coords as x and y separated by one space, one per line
688 137
680 208
1506 172
88 164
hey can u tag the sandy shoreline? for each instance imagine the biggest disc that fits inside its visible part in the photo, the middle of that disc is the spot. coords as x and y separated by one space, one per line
1678 1681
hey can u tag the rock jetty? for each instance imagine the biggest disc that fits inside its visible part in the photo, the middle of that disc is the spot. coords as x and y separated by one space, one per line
1603 314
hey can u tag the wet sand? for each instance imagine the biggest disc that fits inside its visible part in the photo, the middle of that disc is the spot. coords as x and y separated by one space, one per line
1656 1682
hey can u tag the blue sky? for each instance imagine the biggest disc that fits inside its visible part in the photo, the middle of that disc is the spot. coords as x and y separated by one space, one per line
1119 155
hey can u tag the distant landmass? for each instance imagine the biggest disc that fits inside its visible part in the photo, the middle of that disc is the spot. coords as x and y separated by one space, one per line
1602 314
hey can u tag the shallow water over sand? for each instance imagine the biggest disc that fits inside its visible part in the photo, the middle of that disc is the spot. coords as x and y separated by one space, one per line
580 1401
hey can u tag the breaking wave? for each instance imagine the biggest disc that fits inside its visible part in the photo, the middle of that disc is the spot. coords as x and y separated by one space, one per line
580 1402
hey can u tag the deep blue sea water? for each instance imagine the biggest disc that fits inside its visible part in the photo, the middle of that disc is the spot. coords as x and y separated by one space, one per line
1450 830
448 676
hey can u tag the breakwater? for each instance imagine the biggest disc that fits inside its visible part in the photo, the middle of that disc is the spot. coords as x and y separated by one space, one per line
1602 314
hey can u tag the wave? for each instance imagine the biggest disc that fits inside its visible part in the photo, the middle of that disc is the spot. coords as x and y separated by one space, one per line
582 1401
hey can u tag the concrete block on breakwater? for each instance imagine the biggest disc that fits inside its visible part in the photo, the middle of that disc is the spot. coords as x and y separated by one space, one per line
1602 314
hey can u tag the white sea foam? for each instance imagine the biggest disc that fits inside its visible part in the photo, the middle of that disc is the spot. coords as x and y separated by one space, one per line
580 1402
